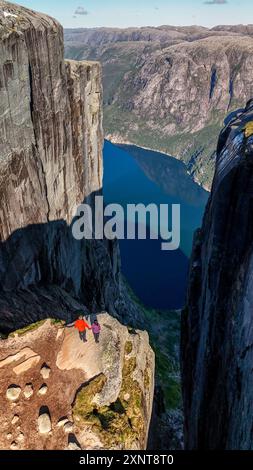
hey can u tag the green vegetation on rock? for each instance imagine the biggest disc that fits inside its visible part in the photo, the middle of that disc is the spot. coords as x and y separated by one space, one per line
34 326
27 329
123 422
129 347
164 331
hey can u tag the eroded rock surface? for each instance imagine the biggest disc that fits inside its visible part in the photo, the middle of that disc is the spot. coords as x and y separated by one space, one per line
101 394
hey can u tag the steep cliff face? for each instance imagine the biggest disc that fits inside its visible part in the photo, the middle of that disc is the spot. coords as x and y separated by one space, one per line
50 161
168 88
104 391
217 323
50 121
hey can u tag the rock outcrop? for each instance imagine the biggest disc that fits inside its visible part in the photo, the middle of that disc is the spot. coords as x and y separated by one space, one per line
51 141
217 332
98 396
171 86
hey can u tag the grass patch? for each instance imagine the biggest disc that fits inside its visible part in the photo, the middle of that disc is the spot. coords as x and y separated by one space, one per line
35 326
57 321
27 329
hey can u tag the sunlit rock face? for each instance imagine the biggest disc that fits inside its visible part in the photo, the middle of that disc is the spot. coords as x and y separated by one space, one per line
51 127
217 332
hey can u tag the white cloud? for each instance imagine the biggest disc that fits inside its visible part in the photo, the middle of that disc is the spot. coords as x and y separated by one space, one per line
81 11
216 2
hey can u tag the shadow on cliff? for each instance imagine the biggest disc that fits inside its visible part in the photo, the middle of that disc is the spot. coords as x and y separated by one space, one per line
46 272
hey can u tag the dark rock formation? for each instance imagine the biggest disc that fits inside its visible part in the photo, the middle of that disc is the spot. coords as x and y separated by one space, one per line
51 142
217 327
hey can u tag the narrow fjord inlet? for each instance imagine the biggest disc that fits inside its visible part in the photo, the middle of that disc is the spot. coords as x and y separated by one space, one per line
133 175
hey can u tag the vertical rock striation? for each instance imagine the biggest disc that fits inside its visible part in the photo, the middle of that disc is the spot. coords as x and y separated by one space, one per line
217 326
50 123
51 142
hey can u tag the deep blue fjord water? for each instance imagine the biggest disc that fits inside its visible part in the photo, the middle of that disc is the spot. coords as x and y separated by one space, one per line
134 175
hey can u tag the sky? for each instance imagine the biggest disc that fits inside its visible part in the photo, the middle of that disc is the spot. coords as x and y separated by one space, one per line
124 13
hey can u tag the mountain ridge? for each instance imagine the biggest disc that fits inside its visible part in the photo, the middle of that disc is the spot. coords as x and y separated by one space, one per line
184 79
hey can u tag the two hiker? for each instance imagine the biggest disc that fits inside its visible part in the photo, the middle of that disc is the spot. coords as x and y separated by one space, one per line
81 325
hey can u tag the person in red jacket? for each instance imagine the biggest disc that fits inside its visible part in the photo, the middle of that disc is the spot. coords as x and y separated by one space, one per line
81 325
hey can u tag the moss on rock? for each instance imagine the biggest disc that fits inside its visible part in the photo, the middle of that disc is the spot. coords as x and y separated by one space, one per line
129 347
27 329
146 377
35 326
122 423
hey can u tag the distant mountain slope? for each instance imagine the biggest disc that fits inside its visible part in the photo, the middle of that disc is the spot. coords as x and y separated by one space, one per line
169 88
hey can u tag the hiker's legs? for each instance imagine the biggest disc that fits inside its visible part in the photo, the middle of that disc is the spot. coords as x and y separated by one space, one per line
96 335
82 335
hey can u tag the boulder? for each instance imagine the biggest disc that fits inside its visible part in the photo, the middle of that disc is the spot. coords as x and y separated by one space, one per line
43 390
14 446
15 419
26 365
45 371
13 392
62 422
68 427
44 423
21 437
28 390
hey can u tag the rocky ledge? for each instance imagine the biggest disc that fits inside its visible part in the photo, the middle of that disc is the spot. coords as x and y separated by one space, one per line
57 392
